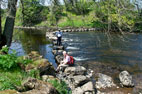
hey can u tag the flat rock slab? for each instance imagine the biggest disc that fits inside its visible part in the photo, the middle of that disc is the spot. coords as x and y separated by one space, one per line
58 47
78 80
75 70
88 87
77 91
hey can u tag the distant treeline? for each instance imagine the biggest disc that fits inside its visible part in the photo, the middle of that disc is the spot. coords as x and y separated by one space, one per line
112 15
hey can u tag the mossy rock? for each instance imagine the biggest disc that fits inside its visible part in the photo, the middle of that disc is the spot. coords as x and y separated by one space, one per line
9 92
35 86
43 65
33 55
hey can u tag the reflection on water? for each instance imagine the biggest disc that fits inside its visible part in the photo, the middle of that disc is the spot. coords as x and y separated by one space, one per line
26 41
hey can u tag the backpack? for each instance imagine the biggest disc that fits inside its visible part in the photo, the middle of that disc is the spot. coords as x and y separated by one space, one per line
71 62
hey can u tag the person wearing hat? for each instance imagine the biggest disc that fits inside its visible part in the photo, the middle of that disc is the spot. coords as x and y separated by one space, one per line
59 37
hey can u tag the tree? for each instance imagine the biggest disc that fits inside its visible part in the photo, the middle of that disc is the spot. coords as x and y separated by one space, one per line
78 7
9 24
116 15
32 12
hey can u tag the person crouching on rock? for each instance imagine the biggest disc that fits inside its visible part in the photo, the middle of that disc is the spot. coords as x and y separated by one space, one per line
59 37
67 61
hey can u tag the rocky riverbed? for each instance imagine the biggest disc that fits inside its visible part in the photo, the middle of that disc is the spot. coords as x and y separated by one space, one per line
103 84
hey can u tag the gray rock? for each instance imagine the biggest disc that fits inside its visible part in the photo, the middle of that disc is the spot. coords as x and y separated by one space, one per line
104 81
75 70
77 91
126 79
85 89
76 81
57 52
88 87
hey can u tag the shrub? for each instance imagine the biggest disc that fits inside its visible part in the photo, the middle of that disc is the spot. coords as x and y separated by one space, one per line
10 61
61 86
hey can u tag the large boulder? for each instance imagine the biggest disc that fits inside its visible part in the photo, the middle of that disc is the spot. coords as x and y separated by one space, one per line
44 67
104 81
75 70
76 81
77 91
38 87
126 79
87 88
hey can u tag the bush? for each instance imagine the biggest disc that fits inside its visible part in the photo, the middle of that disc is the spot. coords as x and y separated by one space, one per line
61 86
11 74
10 61
7 61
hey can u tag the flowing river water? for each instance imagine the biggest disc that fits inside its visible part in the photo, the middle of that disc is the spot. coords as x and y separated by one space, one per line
108 54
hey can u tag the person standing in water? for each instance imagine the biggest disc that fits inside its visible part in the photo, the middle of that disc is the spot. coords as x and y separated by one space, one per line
59 37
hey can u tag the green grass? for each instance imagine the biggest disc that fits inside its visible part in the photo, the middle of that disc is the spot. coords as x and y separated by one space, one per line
11 79
14 78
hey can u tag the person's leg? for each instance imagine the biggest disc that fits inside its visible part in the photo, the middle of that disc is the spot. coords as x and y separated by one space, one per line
61 66
61 41
57 40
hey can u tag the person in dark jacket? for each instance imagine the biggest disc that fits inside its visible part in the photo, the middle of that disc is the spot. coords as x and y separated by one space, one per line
59 37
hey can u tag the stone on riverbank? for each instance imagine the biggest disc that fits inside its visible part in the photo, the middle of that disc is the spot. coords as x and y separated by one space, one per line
46 78
126 79
104 81
44 67
58 47
38 87
33 55
87 88
75 70
76 81
57 52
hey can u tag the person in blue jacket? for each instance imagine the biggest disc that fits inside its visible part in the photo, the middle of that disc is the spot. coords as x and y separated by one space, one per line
59 37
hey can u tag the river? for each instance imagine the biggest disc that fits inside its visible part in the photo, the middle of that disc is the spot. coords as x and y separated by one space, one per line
106 53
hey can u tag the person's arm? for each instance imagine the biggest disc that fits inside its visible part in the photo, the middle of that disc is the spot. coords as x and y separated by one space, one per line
57 33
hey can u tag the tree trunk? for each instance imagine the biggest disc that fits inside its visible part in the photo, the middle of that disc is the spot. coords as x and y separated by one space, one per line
9 24
0 21
0 28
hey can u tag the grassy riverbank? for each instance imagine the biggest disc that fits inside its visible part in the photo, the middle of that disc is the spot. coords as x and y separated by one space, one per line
14 71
